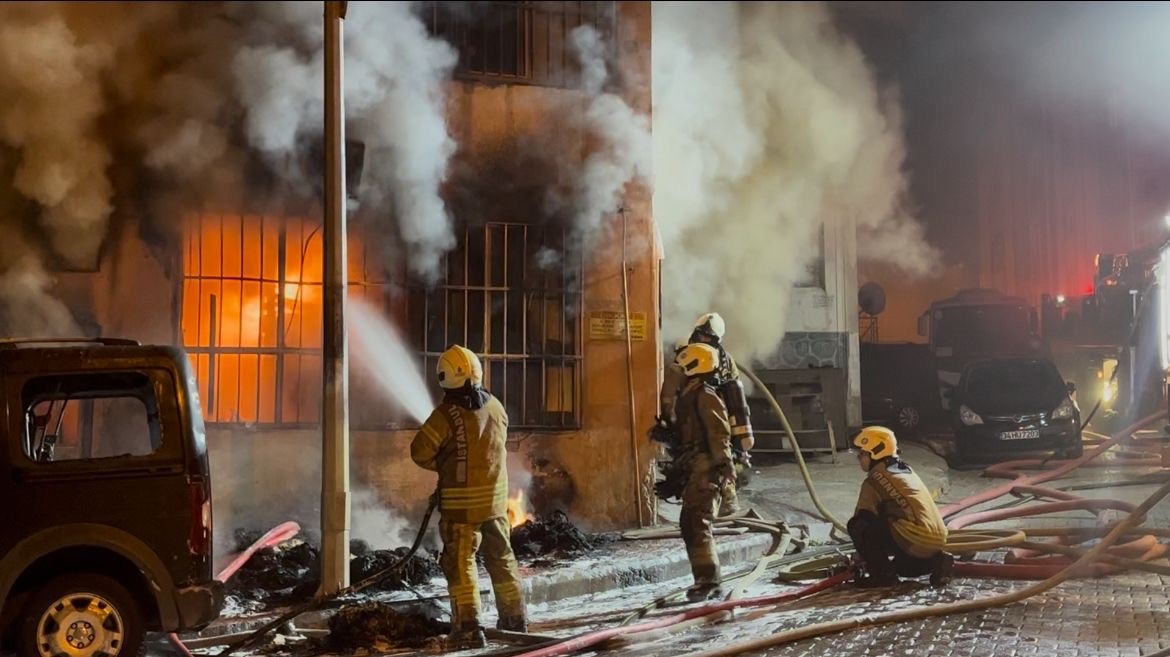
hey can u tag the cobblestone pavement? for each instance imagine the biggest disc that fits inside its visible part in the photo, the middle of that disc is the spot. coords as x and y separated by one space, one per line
1124 616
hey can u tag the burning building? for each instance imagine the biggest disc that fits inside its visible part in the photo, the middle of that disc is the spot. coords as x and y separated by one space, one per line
500 172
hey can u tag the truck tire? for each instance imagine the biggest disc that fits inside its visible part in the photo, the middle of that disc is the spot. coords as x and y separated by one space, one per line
81 615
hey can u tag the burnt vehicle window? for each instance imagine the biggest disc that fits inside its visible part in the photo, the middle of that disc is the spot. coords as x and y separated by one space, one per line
1017 385
90 416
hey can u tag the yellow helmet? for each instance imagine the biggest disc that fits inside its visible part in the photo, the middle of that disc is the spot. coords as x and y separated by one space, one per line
457 366
878 442
697 358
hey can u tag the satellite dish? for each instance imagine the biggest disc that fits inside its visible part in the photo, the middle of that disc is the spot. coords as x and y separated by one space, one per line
872 299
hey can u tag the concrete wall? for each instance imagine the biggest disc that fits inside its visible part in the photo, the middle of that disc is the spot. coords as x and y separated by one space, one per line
822 322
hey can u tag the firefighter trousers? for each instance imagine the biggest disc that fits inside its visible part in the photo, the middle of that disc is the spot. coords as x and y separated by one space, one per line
700 502
874 541
729 499
461 542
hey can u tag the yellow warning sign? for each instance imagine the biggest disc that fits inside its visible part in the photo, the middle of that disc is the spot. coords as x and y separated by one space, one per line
611 325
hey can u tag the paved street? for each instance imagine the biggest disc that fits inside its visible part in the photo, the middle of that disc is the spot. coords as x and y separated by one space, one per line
1126 615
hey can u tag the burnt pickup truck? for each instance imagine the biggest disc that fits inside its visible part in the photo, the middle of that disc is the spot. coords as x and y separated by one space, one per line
106 520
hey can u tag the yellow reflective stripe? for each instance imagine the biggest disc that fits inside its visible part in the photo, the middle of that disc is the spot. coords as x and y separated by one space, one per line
470 504
432 434
474 490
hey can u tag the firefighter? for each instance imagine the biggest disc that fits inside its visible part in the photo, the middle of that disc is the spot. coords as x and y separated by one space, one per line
709 330
464 442
896 529
705 436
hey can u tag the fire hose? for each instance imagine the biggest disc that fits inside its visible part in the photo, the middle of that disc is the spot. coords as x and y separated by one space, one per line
832 627
958 541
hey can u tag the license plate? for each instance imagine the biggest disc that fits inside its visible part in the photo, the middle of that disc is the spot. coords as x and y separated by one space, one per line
1026 434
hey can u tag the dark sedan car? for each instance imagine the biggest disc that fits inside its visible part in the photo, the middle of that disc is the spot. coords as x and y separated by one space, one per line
1015 405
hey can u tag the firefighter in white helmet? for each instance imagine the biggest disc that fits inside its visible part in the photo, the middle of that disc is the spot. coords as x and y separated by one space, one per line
709 329
705 436
464 441
897 528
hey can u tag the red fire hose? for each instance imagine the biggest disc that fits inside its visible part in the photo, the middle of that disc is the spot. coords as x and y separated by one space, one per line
274 537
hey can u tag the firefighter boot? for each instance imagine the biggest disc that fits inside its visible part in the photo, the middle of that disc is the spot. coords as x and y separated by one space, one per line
704 592
513 624
942 570
466 637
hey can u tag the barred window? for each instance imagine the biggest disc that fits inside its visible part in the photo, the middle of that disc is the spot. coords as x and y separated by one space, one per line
508 293
518 42
252 316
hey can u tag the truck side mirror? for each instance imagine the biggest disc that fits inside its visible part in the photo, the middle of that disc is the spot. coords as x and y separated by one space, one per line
923 324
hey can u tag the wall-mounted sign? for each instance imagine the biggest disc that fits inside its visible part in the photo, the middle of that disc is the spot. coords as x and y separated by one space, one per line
611 325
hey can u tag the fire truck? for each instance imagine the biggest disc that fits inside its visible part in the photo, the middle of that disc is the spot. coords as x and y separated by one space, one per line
1113 342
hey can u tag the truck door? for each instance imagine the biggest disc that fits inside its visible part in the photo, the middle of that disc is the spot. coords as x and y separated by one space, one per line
104 447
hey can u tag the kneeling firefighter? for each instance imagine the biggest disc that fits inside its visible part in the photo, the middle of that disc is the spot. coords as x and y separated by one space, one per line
705 440
709 330
464 441
897 528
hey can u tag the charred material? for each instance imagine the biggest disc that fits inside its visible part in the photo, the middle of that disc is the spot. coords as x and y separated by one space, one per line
290 573
377 627
553 535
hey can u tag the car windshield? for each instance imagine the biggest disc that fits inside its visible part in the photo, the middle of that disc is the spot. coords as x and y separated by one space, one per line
1014 386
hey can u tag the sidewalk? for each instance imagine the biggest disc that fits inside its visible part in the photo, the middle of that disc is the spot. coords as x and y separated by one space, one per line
619 565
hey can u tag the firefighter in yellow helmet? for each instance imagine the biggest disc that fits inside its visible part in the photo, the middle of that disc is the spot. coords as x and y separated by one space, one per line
897 528
464 441
709 330
705 435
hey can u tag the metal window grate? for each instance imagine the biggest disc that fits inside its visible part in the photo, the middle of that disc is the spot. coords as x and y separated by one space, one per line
507 296
517 42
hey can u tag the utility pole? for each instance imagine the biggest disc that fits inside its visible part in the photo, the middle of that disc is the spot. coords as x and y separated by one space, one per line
335 509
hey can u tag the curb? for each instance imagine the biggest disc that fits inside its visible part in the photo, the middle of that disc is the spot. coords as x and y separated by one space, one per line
595 576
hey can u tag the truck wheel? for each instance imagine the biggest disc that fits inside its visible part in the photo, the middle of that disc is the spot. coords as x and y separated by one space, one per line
81 615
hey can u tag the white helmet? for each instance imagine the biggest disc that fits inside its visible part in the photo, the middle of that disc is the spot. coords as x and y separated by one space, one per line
712 324
697 359
457 366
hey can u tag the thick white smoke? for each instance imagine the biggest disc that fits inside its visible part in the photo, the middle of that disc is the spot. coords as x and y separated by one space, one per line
51 85
619 141
395 75
768 126
27 309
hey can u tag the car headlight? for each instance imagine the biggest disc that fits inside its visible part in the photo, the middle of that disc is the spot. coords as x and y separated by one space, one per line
969 417
1065 411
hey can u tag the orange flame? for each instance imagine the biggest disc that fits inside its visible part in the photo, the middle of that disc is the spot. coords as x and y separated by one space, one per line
518 509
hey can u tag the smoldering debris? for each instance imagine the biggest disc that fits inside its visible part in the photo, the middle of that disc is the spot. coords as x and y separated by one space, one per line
419 569
290 572
554 536
379 627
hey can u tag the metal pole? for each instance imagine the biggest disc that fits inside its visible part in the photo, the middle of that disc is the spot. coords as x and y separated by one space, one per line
335 509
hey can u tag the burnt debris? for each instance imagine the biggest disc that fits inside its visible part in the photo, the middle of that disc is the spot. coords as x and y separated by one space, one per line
374 626
553 535
290 572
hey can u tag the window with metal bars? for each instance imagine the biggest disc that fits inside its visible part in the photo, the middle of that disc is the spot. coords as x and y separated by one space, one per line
252 317
508 294
516 42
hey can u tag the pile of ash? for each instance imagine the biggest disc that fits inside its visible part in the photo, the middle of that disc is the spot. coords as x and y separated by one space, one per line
290 572
553 535
377 627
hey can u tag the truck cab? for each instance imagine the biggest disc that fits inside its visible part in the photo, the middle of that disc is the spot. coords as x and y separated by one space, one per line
107 522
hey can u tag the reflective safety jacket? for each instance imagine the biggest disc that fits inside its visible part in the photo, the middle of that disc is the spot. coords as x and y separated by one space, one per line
894 492
466 446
